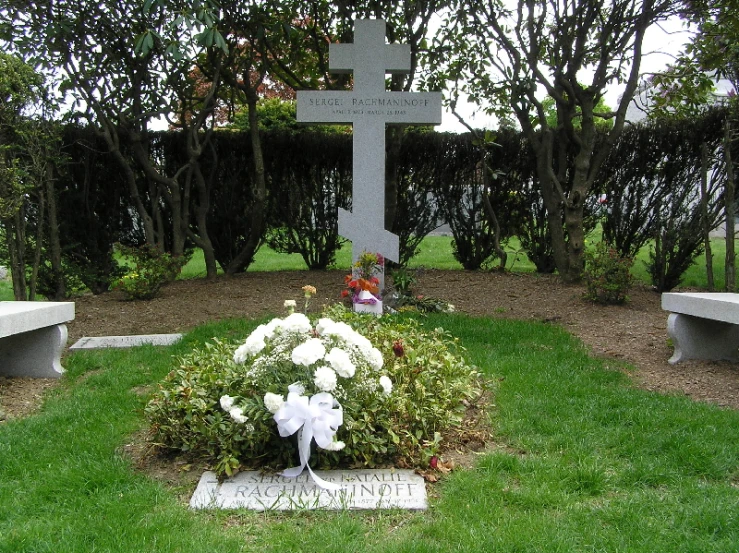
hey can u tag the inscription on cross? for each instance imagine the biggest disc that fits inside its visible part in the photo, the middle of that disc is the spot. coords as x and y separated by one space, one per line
369 107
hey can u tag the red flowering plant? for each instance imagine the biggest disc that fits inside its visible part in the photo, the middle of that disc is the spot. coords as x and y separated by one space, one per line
364 277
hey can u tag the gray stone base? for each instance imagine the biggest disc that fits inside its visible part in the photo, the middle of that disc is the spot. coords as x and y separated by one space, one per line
364 489
698 338
34 354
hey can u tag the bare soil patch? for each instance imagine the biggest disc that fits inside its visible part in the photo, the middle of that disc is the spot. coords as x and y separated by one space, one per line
635 333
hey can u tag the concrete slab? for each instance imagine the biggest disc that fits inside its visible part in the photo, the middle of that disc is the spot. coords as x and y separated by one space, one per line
102 342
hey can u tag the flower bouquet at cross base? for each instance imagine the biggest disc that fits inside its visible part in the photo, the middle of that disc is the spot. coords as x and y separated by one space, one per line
363 284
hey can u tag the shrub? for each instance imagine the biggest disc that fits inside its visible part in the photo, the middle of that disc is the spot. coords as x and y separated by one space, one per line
216 408
403 298
607 275
151 269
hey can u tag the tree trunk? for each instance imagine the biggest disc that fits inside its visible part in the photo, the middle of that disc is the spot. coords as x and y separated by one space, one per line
130 176
552 201
257 216
202 239
730 268
178 205
55 249
490 212
33 284
16 254
573 218
704 215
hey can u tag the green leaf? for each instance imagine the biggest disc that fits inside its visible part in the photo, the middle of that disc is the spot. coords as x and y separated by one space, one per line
140 44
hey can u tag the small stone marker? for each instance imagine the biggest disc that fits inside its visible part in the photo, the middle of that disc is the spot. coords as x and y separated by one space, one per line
364 489
101 342
368 108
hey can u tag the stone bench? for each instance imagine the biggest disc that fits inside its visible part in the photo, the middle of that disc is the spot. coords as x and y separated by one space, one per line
703 325
32 336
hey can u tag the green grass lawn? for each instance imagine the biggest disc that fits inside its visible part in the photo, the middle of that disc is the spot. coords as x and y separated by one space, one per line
436 252
6 290
582 462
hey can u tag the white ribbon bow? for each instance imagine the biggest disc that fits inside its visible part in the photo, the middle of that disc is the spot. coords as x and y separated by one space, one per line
315 418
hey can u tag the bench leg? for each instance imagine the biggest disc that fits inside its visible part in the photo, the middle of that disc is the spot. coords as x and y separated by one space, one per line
697 338
34 354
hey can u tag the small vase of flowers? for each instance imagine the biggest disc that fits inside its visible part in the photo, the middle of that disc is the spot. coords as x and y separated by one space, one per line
363 284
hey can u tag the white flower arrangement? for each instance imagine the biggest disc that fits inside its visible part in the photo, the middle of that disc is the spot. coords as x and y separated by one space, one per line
325 364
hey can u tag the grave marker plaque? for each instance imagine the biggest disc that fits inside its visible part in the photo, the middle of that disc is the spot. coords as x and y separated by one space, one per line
362 489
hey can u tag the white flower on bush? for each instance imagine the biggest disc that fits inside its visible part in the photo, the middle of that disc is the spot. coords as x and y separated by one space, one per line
253 345
237 414
296 388
227 402
256 341
335 446
273 402
325 379
308 352
341 330
297 322
375 358
328 327
322 324
341 362
290 304
386 384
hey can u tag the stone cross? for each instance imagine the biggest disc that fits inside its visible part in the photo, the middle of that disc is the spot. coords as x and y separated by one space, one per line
369 108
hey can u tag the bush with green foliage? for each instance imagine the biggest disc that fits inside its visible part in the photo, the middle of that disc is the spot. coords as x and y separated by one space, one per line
432 385
607 275
403 298
652 182
150 270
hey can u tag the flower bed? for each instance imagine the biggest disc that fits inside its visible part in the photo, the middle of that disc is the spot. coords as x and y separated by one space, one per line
371 392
